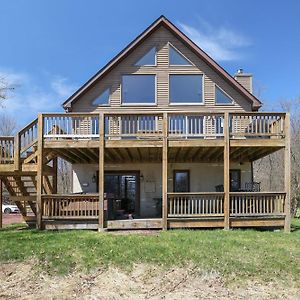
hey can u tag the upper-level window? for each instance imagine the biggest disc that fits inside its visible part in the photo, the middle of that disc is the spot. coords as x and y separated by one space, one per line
221 97
149 59
102 99
176 58
186 89
138 89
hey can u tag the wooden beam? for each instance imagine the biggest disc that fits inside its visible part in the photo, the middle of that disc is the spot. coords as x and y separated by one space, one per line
197 153
129 154
54 177
77 155
54 144
197 143
165 173
133 143
101 219
94 157
177 154
118 154
287 174
39 176
86 155
258 143
65 156
212 153
109 156
226 171
17 161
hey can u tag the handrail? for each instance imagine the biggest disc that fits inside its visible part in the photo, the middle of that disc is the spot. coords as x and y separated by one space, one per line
58 196
7 138
195 193
28 126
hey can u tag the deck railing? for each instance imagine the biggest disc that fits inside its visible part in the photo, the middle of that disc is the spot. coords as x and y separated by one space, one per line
257 204
7 144
133 126
195 204
143 125
71 126
195 125
257 125
28 137
70 206
188 125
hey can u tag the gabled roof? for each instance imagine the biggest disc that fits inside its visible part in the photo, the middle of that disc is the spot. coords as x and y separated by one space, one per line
163 21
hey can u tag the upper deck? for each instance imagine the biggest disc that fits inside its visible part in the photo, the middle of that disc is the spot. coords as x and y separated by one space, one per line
263 132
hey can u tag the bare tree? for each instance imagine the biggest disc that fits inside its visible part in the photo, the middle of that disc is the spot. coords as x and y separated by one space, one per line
269 170
8 125
5 89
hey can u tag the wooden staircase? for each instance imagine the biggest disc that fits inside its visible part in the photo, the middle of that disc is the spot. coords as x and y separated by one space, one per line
18 170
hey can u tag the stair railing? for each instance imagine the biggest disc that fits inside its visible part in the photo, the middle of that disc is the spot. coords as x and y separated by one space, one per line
25 140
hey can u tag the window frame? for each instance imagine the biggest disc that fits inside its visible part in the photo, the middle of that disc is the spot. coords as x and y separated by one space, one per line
170 65
102 91
188 179
186 103
155 57
139 103
227 104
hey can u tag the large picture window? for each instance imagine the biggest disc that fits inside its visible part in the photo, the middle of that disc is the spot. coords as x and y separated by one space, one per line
138 89
186 89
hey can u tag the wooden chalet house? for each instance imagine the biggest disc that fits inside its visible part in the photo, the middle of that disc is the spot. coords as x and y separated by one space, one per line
161 137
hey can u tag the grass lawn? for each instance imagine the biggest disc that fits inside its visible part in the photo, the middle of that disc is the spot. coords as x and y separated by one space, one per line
236 254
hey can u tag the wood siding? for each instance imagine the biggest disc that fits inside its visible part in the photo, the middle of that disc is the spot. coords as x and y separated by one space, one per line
161 39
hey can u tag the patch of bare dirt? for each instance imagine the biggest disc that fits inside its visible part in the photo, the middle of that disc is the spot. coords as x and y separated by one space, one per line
21 281
9 219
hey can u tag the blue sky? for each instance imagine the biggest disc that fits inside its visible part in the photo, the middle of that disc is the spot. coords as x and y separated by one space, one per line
50 48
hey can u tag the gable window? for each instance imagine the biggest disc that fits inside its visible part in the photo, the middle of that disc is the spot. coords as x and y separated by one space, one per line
181 181
102 99
149 59
176 58
186 89
138 89
221 97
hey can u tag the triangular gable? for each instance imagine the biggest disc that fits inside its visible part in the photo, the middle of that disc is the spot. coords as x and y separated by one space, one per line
163 21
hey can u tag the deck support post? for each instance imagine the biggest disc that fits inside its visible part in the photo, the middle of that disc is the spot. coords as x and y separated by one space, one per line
165 173
17 152
226 172
1 201
101 218
287 174
54 178
39 183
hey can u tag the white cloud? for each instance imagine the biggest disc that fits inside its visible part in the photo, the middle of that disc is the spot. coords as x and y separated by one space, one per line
61 86
222 44
32 96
